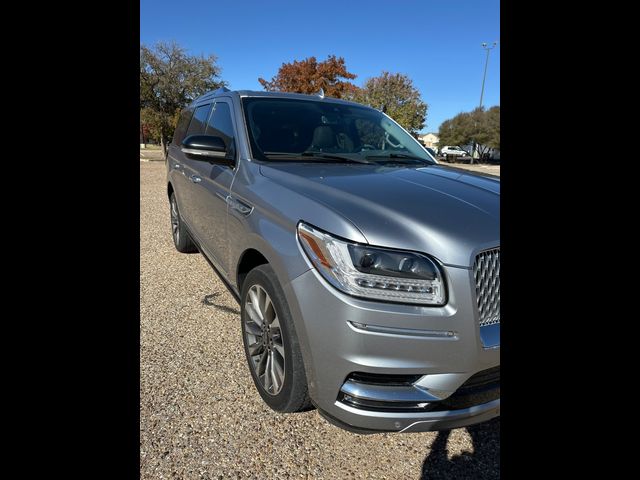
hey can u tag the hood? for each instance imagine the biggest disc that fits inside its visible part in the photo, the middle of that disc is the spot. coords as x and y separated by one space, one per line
448 213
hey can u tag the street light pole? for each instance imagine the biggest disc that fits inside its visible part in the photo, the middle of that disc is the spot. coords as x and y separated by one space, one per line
484 77
486 63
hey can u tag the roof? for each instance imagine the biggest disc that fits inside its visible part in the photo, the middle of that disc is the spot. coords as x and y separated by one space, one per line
253 93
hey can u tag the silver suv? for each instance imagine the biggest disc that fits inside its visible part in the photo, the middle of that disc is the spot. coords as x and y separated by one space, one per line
368 275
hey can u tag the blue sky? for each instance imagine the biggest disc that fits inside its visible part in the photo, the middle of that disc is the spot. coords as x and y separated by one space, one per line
437 43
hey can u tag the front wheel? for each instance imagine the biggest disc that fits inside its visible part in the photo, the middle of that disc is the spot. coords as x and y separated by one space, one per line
271 344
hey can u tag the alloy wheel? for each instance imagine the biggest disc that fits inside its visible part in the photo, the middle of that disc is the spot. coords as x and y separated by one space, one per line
264 340
175 222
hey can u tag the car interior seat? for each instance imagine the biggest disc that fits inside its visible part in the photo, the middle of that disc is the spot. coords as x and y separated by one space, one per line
324 138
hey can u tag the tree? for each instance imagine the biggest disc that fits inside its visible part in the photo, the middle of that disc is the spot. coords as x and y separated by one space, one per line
479 131
454 131
309 76
169 80
395 95
493 120
479 126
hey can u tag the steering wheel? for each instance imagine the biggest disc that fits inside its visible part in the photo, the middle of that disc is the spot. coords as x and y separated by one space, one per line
386 139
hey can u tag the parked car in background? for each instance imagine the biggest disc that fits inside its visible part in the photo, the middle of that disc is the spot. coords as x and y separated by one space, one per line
368 275
453 150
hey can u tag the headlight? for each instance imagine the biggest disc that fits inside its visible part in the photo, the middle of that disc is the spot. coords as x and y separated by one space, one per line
373 272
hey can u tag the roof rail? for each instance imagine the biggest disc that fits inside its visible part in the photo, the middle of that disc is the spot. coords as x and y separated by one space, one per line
221 90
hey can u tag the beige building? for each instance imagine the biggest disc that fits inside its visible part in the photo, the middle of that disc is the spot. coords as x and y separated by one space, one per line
430 140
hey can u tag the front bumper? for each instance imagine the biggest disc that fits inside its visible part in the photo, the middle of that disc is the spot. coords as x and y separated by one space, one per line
428 422
441 346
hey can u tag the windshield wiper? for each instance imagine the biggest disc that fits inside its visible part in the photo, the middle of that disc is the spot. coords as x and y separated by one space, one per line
402 156
333 156
318 156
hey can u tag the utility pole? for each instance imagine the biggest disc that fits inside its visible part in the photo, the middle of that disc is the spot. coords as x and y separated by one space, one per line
484 77
486 63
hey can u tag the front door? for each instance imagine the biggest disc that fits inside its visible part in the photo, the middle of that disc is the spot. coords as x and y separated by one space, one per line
186 183
213 187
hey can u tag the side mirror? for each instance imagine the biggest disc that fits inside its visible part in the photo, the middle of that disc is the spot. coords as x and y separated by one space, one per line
207 147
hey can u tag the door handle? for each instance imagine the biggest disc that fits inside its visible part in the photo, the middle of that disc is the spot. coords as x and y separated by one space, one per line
239 206
195 178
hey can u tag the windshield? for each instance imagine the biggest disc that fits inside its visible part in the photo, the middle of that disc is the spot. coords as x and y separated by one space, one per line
307 130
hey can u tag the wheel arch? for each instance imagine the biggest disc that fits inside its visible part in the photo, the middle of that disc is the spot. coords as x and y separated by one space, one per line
249 259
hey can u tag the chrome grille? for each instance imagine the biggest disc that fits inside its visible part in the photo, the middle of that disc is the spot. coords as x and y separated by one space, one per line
486 271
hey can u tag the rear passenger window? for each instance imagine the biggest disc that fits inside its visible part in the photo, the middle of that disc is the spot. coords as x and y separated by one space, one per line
221 125
181 127
196 127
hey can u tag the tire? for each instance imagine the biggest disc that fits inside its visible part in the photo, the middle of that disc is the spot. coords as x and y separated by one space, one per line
272 350
181 238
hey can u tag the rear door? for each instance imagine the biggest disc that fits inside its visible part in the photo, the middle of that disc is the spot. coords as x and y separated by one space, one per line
175 158
213 187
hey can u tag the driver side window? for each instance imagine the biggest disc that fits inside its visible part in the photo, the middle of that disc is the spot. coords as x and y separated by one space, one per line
196 127
221 125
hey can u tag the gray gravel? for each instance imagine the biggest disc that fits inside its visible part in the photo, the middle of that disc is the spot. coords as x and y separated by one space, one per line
200 415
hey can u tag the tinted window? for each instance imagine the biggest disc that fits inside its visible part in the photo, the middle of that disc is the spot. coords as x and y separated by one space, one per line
370 132
221 125
290 129
181 128
196 127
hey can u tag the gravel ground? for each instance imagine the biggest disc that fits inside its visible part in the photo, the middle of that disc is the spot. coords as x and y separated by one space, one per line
200 415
